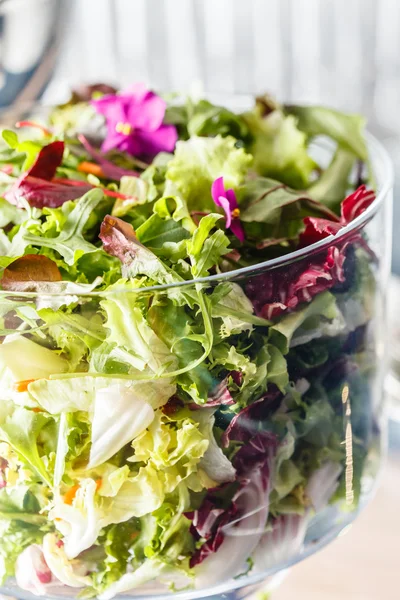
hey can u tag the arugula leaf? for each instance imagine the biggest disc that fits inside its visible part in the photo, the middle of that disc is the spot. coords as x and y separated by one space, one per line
205 250
70 243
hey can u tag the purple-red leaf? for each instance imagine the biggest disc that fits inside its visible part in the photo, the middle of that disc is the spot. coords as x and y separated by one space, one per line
40 193
36 185
110 170
243 425
48 160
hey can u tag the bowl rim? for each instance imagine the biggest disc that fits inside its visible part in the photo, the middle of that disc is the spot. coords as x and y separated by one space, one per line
382 168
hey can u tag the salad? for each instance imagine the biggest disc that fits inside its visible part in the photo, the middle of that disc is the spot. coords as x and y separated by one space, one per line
172 413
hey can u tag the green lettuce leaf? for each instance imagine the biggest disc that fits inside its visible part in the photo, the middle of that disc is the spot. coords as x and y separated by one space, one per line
320 317
172 449
346 130
279 148
333 184
16 536
210 120
21 429
182 334
205 249
128 329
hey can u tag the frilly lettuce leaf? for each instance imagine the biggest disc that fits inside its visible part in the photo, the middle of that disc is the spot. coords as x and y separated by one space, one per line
180 332
279 148
234 301
128 329
173 449
21 429
199 161
157 545
210 120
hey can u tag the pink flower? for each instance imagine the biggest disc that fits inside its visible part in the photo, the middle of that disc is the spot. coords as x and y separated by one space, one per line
226 199
135 122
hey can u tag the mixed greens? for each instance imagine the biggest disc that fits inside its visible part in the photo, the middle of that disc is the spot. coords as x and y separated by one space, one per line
156 425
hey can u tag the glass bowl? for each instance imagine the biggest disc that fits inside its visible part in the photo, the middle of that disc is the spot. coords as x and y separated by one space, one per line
248 496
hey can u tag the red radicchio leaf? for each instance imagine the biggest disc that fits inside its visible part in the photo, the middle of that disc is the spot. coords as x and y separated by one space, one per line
242 427
317 229
253 460
220 395
355 204
282 290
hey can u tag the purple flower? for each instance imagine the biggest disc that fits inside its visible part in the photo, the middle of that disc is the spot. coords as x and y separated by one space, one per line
135 122
226 199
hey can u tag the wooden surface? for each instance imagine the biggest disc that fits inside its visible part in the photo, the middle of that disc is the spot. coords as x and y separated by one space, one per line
363 564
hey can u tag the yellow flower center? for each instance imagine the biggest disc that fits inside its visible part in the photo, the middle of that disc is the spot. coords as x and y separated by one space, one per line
125 128
236 213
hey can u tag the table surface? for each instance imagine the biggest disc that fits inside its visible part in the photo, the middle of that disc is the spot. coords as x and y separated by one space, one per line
364 563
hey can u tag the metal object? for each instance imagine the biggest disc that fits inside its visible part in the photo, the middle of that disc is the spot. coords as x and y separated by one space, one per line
29 38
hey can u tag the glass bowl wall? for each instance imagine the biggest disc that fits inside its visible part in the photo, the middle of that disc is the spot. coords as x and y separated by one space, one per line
296 344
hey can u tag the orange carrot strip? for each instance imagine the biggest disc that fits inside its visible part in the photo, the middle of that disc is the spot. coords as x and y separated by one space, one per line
22 386
98 484
70 495
44 130
91 168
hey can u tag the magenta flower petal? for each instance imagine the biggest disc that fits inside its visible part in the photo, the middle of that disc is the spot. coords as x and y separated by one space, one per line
109 105
149 114
114 140
217 190
227 200
237 230
233 203
161 140
224 204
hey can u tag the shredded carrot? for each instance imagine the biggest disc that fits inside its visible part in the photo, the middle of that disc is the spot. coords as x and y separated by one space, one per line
70 495
22 386
98 484
91 168
37 410
44 130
